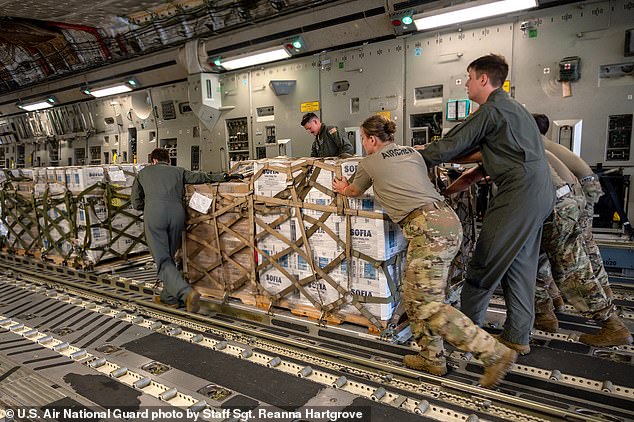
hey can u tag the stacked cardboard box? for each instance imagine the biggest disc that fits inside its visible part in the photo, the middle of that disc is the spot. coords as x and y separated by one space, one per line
315 253
218 252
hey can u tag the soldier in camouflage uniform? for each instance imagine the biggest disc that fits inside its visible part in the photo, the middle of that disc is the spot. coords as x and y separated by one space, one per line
563 242
435 235
592 191
328 140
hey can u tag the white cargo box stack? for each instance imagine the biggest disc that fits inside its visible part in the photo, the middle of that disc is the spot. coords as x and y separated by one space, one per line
46 179
58 240
371 282
127 235
273 176
121 175
379 239
95 241
79 179
320 290
271 278
365 202
92 235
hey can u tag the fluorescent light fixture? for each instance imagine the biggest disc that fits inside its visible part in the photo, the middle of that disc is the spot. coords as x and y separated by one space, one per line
258 57
111 90
38 105
473 11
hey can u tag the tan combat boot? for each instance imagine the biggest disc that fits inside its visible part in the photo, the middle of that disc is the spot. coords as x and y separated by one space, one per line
558 303
612 333
420 363
495 372
192 303
546 321
522 349
157 299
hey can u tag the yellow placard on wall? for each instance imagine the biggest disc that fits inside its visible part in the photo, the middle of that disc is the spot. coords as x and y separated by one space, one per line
507 86
386 114
309 106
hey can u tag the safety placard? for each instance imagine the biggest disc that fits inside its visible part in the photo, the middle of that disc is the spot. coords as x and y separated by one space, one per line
385 114
309 106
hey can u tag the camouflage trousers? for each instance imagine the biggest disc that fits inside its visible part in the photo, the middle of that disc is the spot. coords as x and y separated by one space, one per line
562 241
434 239
546 289
592 191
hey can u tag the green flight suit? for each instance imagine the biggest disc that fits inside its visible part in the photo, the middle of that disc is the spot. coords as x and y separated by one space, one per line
158 190
507 249
329 142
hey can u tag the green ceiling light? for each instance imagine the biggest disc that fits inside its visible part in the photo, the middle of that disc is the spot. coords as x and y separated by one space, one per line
402 21
295 44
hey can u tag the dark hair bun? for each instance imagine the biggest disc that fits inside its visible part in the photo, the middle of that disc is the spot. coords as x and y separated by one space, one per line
390 127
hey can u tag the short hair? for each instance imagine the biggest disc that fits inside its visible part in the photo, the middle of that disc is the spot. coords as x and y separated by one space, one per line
379 126
543 123
160 154
494 65
308 117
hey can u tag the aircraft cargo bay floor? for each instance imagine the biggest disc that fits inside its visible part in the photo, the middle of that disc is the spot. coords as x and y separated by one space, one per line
70 341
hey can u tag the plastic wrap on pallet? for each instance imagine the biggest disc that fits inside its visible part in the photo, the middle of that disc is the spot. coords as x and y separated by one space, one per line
92 234
121 175
62 210
18 212
218 249
54 211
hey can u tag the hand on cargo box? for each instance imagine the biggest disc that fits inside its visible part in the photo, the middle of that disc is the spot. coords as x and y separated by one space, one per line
236 176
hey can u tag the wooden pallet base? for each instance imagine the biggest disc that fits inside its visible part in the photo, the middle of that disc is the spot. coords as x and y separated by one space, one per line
246 298
313 314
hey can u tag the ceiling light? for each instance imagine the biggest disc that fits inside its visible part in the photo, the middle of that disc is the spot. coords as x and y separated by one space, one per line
111 90
38 105
258 57
480 9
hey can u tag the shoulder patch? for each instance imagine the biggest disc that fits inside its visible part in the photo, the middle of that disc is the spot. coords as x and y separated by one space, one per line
332 130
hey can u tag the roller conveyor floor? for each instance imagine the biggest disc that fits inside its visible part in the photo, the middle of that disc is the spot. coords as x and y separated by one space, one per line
95 341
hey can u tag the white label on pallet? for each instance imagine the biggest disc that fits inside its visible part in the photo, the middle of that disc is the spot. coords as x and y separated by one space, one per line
117 175
200 203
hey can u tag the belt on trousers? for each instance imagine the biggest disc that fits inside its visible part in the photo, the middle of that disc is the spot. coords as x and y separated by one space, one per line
420 210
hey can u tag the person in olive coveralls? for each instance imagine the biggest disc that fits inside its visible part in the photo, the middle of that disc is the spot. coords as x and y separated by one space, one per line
328 141
513 156
158 190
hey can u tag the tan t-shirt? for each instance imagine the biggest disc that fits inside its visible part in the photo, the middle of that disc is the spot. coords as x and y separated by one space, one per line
561 175
399 176
579 167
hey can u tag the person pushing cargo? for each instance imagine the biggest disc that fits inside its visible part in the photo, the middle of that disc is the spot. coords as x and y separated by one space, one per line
158 191
513 156
435 234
